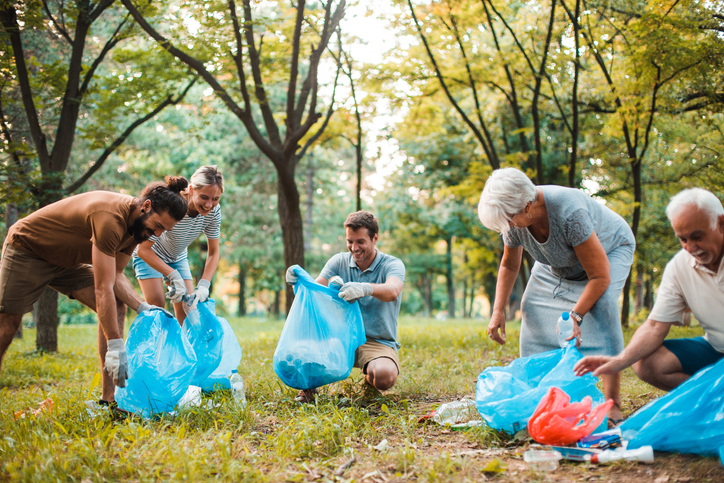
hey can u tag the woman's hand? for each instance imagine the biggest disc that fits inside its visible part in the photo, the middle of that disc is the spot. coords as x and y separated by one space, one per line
576 334
496 328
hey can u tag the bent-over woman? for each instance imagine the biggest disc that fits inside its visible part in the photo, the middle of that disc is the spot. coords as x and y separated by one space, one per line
165 258
583 253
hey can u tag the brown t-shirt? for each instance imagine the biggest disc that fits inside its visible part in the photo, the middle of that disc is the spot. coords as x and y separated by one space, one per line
63 233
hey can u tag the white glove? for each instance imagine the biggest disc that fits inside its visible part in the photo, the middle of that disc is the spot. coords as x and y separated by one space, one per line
176 287
116 362
291 276
201 294
145 306
352 291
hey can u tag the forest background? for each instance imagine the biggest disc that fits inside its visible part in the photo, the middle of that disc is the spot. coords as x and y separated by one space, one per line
313 110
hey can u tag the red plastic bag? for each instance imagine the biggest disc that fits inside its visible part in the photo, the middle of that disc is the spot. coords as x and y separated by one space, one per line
556 422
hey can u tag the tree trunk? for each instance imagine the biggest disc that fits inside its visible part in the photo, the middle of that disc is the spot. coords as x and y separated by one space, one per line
427 293
46 321
275 306
11 216
290 218
649 297
639 289
309 204
625 306
242 291
465 297
450 284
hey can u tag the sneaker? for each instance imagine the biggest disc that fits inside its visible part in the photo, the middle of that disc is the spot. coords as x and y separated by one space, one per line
117 413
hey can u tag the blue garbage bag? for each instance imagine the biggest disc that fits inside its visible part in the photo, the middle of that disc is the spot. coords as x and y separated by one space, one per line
230 357
320 336
507 397
695 410
161 364
206 336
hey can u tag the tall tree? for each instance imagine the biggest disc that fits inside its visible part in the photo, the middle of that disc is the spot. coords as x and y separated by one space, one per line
233 44
56 82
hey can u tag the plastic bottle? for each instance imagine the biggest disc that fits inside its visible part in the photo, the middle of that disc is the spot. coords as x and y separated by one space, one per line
237 388
564 328
644 454
455 412
336 282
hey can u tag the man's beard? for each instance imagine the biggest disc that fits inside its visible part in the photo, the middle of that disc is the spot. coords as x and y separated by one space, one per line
139 230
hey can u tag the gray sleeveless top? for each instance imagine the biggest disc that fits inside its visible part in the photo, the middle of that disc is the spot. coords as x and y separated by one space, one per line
573 216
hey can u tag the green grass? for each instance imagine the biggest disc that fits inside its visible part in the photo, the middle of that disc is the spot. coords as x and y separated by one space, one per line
276 439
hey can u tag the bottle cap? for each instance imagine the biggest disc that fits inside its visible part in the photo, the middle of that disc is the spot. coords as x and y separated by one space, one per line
565 316
234 371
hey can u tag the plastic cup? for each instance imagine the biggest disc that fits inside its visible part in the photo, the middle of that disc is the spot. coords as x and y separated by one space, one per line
542 460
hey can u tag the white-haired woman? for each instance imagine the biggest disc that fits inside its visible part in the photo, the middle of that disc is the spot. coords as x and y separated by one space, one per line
165 258
583 253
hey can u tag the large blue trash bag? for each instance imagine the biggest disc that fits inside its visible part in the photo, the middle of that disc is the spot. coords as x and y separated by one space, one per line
161 364
230 356
689 419
507 397
320 336
206 336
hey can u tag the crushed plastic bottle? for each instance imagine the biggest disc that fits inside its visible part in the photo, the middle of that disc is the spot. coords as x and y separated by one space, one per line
644 454
237 388
336 282
564 328
456 412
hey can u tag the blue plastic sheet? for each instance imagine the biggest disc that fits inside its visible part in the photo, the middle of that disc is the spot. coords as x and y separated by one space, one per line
230 357
695 410
161 364
507 397
319 338
206 336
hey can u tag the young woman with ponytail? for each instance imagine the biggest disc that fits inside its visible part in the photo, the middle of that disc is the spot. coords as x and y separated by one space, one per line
165 258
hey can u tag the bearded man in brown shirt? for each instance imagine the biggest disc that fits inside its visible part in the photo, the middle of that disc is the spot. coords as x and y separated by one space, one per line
79 247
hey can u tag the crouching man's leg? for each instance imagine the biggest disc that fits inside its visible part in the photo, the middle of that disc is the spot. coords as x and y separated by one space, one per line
379 363
676 361
381 373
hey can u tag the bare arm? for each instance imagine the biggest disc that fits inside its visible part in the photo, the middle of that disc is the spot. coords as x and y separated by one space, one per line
647 339
594 261
122 289
212 259
507 273
146 254
386 292
104 273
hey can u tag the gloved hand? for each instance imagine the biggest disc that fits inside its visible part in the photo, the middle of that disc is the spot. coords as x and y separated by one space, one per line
291 276
144 306
116 362
352 291
176 287
201 294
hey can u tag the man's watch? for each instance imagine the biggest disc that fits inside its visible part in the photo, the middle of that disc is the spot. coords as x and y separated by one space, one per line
577 317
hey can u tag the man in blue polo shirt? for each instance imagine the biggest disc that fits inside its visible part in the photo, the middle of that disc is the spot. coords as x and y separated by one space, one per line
375 279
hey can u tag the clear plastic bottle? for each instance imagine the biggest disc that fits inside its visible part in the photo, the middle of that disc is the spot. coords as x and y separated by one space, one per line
564 328
237 388
456 412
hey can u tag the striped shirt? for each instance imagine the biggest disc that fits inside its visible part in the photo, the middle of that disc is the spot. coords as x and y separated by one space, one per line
172 245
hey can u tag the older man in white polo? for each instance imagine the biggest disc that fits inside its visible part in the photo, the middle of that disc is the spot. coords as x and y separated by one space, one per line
694 278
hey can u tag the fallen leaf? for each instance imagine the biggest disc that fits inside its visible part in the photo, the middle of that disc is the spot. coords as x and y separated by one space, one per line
495 466
662 479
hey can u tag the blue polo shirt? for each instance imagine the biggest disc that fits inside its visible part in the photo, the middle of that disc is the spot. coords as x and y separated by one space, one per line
380 318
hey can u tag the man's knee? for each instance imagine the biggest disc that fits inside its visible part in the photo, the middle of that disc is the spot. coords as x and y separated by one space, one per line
10 322
647 369
384 373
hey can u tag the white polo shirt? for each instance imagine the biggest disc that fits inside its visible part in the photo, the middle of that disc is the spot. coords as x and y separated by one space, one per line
686 283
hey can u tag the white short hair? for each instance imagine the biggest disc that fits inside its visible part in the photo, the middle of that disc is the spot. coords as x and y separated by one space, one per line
505 194
700 198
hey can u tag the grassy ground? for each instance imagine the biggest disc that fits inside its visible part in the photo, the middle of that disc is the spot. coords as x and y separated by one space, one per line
276 439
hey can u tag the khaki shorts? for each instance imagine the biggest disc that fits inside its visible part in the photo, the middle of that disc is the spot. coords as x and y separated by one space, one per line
372 350
23 277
